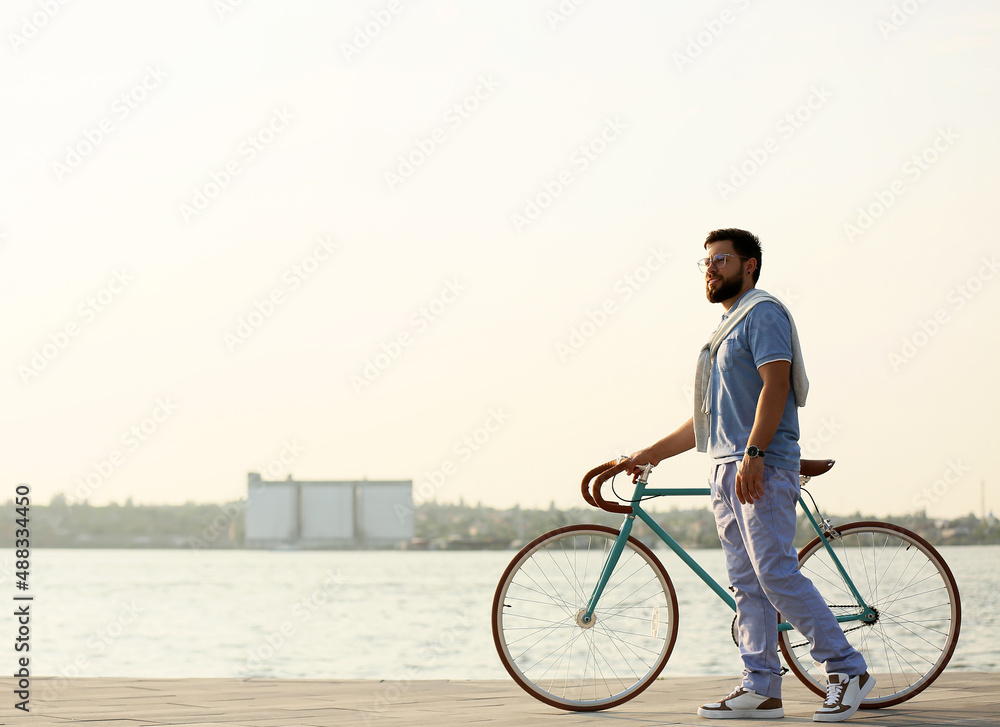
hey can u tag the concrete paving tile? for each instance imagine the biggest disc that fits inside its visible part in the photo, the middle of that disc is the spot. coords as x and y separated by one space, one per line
957 699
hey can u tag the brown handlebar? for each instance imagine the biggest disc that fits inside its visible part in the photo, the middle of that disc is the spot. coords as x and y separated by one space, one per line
585 485
592 493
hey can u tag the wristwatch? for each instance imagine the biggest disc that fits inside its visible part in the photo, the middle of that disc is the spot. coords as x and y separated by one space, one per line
754 451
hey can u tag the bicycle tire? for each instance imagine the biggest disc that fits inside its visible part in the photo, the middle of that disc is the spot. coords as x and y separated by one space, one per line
537 630
902 577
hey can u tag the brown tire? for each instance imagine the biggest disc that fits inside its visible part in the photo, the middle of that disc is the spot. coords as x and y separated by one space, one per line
906 581
542 636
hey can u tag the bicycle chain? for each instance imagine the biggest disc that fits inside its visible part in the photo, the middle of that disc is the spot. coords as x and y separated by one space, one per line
846 631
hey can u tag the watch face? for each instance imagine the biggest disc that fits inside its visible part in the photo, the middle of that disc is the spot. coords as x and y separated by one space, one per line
752 451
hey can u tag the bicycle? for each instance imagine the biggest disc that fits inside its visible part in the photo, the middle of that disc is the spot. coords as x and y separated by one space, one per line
585 616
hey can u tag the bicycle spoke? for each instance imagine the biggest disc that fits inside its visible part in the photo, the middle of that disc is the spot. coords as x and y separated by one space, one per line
914 598
573 665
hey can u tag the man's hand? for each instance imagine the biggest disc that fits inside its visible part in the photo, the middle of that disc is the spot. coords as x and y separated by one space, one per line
750 480
640 459
679 441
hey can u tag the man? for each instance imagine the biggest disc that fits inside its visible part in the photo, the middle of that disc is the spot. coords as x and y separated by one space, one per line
749 382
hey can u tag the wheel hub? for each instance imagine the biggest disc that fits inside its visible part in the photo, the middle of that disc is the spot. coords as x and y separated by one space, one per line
582 622
872 618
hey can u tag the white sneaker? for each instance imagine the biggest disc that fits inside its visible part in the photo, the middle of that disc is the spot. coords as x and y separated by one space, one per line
743 704
844 695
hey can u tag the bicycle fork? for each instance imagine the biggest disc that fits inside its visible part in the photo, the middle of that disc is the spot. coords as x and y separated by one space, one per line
585 618
826 534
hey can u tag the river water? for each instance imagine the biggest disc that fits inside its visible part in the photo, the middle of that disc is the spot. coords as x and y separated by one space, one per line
354 614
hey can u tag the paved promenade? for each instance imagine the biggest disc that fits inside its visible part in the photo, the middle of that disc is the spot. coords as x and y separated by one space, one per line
957 698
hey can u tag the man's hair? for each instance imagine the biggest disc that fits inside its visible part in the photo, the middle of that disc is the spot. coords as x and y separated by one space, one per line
744 243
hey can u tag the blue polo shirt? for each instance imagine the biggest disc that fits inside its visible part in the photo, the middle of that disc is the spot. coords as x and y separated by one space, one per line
763 336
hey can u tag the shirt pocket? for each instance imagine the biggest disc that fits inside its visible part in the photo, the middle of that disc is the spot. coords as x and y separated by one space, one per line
724 356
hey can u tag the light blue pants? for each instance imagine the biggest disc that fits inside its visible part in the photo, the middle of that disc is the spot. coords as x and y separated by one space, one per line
763 568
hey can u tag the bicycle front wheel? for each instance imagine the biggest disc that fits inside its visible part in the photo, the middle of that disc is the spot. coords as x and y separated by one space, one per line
904 579
542 639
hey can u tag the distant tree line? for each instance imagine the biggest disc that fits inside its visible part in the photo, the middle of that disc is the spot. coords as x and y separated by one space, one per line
80 525
63 525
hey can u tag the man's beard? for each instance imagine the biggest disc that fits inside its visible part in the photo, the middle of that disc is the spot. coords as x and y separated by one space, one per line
728 289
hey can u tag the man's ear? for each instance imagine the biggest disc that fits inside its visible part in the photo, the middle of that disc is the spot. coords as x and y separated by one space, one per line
753 265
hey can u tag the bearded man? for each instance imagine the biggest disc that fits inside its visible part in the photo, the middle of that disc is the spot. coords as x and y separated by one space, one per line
749 384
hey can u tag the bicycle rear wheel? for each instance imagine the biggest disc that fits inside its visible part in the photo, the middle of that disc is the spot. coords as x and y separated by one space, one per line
542 641
904 579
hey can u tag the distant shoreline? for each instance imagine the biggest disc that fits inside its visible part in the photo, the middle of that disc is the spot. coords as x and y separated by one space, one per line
436 527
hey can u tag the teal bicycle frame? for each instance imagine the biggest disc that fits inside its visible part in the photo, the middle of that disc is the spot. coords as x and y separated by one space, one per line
642 492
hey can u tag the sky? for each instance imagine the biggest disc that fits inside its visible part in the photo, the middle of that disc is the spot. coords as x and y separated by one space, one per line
456 242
